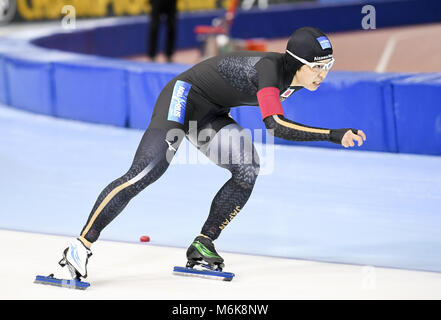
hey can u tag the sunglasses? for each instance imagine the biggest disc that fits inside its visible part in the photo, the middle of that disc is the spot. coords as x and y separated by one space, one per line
316 66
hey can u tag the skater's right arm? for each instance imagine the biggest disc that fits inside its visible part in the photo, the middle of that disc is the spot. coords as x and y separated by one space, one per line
268 97
281 127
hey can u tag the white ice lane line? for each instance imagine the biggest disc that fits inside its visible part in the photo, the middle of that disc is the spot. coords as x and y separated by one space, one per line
387 53
393 41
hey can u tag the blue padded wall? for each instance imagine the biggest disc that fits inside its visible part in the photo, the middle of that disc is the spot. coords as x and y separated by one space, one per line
418 113
144 83
29 83
9 48
93 91
3 83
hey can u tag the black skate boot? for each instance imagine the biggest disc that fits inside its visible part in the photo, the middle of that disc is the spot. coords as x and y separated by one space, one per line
208 262
203 252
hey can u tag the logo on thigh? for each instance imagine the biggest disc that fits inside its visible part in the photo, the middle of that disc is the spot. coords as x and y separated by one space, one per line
176 111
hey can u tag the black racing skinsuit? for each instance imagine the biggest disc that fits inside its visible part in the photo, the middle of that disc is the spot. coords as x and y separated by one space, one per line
205 93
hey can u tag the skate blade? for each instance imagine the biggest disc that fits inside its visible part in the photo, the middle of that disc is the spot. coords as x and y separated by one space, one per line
65 283
211 274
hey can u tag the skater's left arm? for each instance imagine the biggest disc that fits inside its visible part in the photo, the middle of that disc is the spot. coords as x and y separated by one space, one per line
281 127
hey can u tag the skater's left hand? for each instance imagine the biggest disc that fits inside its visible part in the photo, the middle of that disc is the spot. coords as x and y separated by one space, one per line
350 136
346 137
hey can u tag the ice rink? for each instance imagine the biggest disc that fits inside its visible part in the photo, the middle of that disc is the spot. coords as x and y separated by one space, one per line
358 225
142 271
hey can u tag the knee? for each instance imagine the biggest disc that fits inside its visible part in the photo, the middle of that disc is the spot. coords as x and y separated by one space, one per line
246 175
142 173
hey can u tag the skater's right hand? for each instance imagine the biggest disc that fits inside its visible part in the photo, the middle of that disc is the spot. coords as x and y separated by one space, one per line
346 137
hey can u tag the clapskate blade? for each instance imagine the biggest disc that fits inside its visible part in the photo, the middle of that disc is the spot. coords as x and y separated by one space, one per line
206 272
65 283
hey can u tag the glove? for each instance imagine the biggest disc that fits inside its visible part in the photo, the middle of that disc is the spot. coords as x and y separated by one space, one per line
336 136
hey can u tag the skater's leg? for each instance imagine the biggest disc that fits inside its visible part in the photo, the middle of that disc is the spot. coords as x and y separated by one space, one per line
153 156
228 145
150 162
231 148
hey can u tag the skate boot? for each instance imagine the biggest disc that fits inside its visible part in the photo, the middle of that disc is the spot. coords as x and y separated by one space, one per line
75 257
202 252
207 262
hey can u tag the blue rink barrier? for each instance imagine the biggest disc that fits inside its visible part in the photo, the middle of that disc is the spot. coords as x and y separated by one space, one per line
4 98
99 93
144 83
418 113
29 83
87 84
8 47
